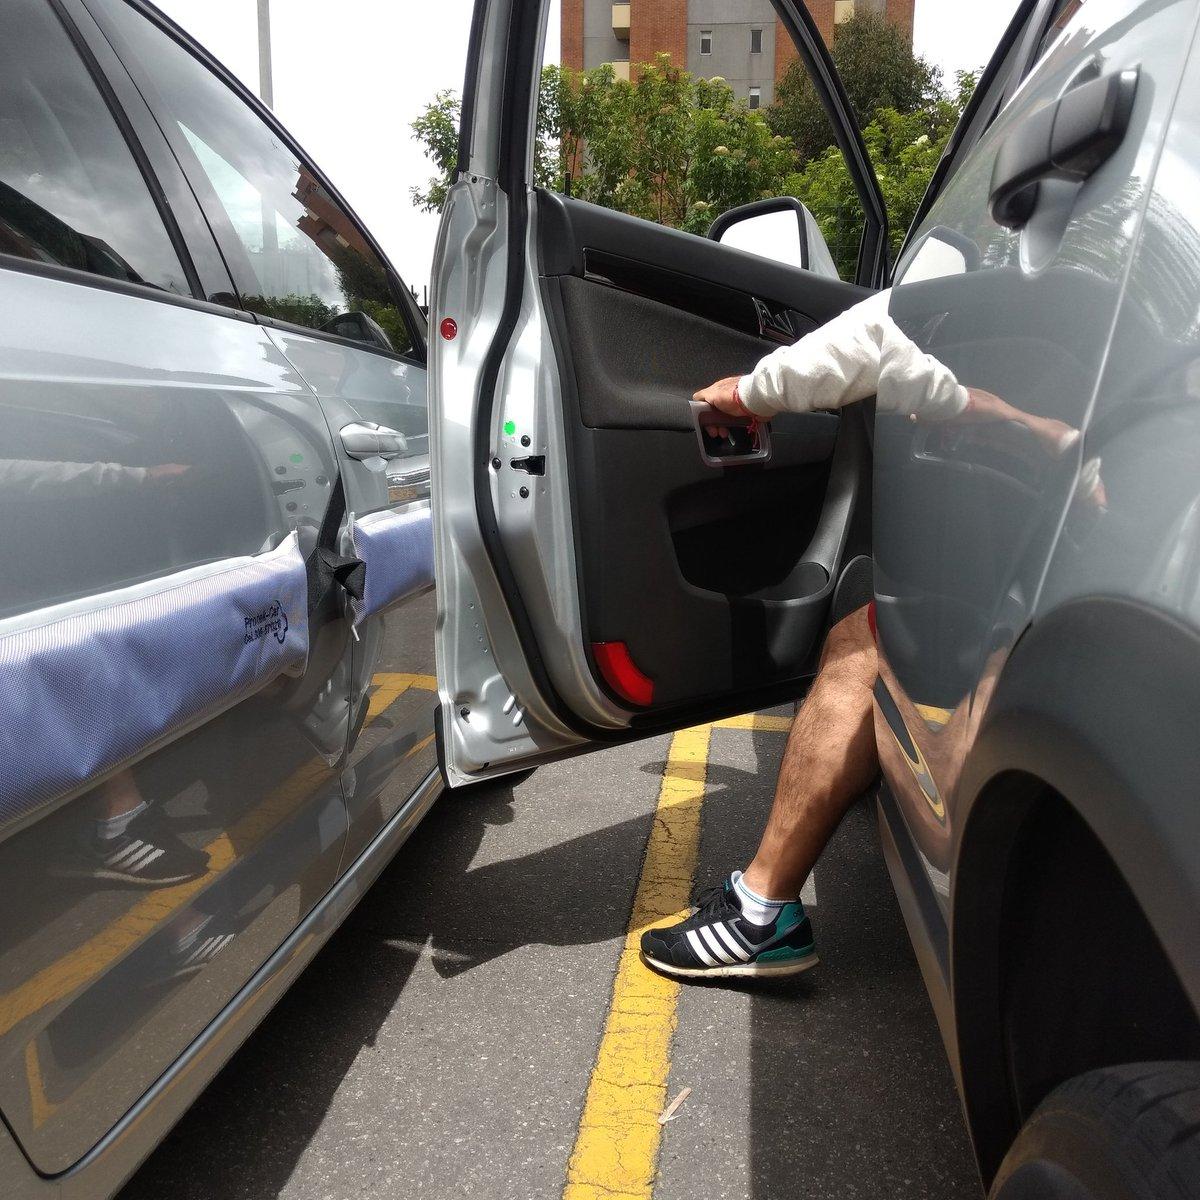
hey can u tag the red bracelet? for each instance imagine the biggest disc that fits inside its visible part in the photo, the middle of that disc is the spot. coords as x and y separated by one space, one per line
737 396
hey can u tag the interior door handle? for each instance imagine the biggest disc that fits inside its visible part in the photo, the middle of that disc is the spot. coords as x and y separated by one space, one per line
365 439
1069 139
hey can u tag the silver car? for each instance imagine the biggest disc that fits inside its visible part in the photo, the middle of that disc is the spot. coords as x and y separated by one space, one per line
216 621
1035 581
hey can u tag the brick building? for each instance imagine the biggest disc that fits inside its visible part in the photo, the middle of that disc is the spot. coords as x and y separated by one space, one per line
740 40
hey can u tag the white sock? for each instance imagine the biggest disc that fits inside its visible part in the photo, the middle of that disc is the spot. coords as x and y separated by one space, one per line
108 828
758 910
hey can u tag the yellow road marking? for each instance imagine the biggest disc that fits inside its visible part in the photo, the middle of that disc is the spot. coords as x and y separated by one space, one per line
759 722
41 1110
616 1149
425 741
91 958
932 715
391 684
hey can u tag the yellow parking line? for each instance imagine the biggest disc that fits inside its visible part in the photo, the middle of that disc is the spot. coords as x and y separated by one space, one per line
931 715
421 745
41 1110
759 722
389 685
616 1149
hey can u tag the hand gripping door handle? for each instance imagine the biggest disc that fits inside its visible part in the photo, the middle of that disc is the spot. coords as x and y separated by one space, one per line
365 439
1069 139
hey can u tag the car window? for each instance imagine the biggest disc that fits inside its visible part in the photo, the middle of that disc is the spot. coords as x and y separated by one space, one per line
304 260
71 192
680 127
1064 11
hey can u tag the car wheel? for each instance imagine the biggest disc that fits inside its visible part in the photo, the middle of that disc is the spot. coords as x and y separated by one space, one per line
1119 1133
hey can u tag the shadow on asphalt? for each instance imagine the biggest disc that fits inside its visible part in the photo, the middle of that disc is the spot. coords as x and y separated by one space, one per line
268 1103
863 1105
866 1105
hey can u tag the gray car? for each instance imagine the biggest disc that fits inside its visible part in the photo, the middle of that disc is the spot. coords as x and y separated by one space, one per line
216 618
607 573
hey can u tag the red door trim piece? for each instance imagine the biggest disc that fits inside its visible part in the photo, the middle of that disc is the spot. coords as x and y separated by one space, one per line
621 673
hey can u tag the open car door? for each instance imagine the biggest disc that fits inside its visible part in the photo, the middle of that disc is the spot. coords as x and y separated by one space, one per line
602 573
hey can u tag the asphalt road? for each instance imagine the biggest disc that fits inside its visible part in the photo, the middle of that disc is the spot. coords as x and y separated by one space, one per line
442 1044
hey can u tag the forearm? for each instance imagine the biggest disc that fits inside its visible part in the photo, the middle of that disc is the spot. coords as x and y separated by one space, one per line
860 353
832 366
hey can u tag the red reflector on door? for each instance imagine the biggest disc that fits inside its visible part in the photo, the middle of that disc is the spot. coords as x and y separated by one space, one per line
449 328
621 673
871 622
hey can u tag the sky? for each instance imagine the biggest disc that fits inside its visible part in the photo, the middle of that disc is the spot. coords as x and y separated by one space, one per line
348 89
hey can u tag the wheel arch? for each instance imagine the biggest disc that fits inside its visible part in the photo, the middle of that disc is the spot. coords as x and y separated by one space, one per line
1093 719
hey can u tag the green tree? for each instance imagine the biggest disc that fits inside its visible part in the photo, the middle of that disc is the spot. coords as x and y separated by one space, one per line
878 70
904 149
437 130
678 150
668 147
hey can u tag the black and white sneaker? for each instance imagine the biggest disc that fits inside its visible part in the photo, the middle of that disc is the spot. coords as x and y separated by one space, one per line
198 947
717 941
147 854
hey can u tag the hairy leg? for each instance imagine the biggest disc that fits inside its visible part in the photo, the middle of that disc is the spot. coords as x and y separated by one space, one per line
829 761
118 796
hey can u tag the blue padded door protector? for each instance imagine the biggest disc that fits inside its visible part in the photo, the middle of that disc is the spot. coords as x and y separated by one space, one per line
397 548
88 686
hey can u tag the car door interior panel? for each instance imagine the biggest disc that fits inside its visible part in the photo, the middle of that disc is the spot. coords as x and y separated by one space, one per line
711 577
606 569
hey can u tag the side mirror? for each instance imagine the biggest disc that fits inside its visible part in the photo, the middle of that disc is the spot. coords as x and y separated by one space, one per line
359 328
781 229
939 253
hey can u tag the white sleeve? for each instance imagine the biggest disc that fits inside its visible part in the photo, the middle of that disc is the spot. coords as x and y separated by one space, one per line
30 477
861 352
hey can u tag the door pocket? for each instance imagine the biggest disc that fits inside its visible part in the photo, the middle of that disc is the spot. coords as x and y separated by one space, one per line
90 686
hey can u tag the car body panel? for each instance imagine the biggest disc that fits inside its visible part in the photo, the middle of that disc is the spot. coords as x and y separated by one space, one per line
966 516
1083 682
390 752
94 1007
109 1164
108 1025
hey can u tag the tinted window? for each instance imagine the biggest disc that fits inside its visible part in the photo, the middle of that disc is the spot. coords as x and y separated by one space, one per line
70 190
304 260
1064 10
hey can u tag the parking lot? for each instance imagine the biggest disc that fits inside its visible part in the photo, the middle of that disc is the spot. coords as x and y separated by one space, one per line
461 1034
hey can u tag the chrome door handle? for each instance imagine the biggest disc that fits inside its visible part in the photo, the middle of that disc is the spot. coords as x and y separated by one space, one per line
365 439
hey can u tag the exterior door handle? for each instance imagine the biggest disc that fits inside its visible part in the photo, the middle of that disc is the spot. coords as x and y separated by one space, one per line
1069 139
365 439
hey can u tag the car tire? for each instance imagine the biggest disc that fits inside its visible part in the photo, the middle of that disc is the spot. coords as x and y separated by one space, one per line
1120 1133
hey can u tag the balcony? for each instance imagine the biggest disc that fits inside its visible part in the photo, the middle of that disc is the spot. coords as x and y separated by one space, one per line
621 69
620 21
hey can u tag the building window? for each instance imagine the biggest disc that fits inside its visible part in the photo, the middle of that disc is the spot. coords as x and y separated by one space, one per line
756 41
843 10
706 41
755 97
